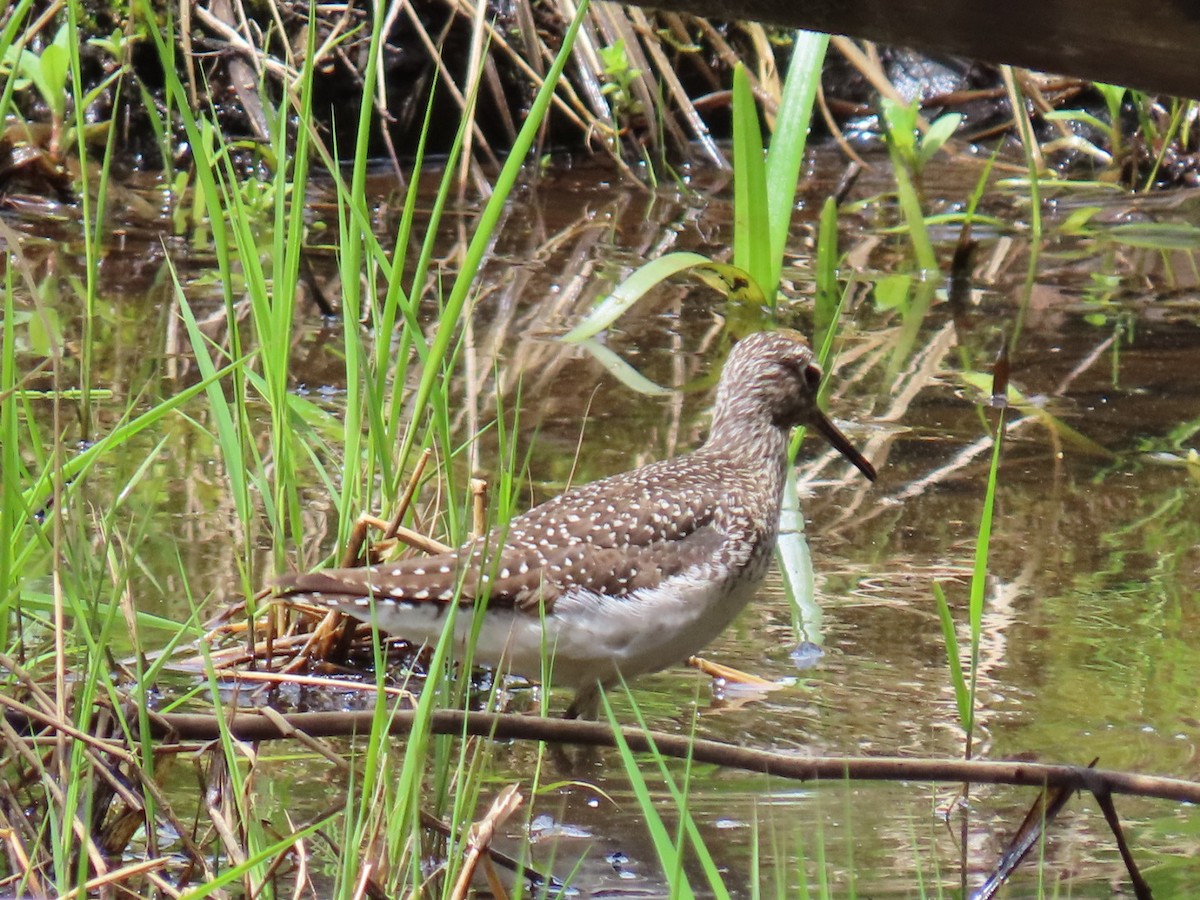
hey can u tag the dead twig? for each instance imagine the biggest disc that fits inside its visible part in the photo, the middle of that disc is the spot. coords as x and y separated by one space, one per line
1103 796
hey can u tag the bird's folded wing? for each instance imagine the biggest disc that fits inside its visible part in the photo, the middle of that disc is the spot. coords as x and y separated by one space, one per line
583 539
603 570
617 571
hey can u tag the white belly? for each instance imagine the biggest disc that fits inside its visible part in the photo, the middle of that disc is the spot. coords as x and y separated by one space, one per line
587 637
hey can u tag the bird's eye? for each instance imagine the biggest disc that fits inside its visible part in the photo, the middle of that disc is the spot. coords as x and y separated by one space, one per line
812 376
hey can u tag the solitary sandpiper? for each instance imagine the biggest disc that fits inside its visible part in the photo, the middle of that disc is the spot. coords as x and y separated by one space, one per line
629 574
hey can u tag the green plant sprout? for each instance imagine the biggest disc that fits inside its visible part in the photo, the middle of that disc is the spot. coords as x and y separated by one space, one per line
905 142
1114 96
49 73
910 153
620 74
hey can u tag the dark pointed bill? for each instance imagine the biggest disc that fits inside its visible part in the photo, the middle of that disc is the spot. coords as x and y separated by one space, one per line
842 444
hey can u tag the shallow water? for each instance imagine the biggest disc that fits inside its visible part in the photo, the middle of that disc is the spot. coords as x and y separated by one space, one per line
1092 617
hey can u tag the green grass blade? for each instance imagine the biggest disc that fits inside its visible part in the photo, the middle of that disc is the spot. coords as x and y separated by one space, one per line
660 838
623 371
14 514
914 218
628 292
786 154
962 696
225 429
751 226
983 543
34 600
828 296
732 282
679 799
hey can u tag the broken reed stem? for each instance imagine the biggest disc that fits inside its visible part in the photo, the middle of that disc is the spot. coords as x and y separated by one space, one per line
479 498
479 837
394 526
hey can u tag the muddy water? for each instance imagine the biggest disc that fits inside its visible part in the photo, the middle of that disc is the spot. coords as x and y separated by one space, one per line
1092 621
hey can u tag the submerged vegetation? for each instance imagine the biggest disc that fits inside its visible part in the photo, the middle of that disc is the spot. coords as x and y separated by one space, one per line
164 455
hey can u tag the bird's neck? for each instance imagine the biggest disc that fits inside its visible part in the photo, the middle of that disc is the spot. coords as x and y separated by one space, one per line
751 455
746 435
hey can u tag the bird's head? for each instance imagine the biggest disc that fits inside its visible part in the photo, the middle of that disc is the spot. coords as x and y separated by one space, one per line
772 377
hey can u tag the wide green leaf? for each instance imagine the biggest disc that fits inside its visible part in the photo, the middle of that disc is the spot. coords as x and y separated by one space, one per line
751 232
786 154
732 281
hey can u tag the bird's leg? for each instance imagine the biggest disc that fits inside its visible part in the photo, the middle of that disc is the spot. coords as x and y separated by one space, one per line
586 704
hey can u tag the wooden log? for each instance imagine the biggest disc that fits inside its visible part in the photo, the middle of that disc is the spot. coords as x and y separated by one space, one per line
1152 45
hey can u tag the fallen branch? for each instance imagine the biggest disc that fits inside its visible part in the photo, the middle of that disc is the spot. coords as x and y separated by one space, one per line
254 726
